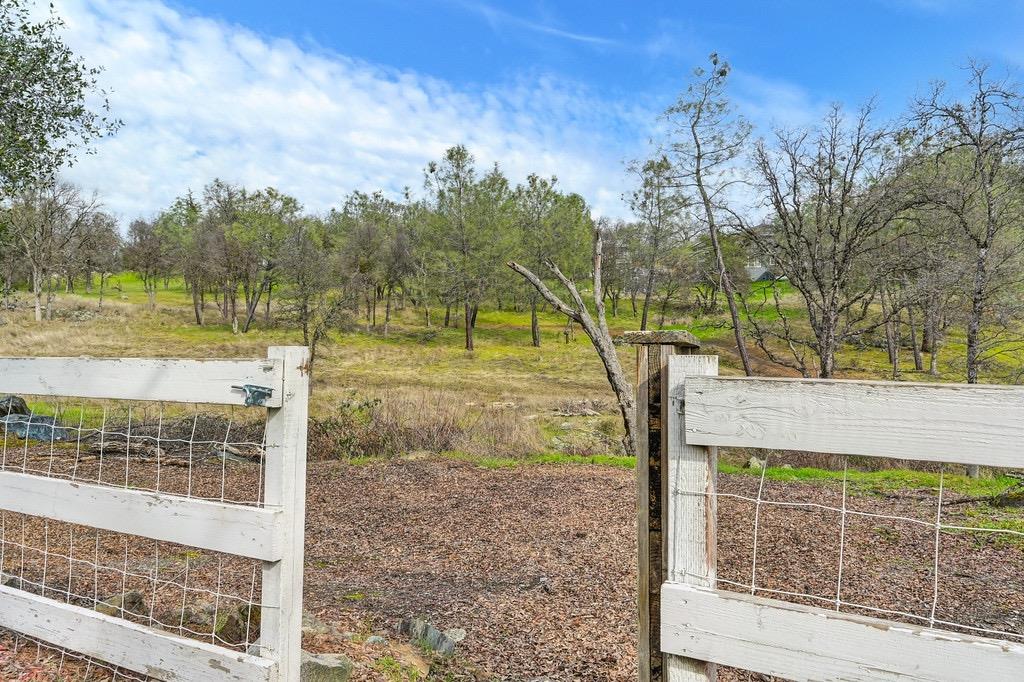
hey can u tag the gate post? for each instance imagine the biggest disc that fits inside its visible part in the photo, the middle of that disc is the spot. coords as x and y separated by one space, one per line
285 489
653 348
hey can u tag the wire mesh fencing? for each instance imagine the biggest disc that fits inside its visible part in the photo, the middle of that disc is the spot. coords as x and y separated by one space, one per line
923 556
188 451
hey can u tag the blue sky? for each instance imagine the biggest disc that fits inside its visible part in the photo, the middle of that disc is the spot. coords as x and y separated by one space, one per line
320 98
843 50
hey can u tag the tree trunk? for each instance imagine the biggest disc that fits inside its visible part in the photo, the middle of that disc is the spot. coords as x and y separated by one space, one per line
253 304
266 304
469 326
647 299
977 310
974 329
534 324
890 335
448 315
734 312
387 311
897 341
37 292
928 326
197 304
918 359
933 361
49 298
827 349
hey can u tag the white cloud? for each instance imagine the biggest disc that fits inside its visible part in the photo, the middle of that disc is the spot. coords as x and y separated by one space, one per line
203 99
497 18
770 103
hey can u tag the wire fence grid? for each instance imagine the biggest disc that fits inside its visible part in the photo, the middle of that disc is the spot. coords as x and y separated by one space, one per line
182 450
913 556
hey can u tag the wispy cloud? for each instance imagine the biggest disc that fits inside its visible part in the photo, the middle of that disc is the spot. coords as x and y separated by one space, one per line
773 102
203 99
498 18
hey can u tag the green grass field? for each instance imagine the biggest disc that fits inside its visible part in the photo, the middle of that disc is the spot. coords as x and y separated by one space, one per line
507 399
412 359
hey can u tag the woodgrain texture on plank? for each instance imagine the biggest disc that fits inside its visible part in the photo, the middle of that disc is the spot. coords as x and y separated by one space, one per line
129 645
221 527
934 422
281 625
806 643
691 540
183 381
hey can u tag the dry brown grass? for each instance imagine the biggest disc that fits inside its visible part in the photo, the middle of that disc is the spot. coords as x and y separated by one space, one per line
422 422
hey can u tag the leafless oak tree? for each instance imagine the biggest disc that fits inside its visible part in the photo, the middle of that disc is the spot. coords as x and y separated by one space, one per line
835 193
977 145
595 329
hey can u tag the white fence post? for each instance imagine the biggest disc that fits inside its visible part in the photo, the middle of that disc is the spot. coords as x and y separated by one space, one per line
281 624
691 509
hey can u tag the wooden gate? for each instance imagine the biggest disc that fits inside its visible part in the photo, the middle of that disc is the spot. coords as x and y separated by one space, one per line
702 626
271 532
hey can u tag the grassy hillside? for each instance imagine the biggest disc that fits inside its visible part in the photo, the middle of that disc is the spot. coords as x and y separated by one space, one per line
506 398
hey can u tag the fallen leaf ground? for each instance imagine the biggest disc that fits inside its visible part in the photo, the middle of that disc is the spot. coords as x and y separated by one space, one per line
537 564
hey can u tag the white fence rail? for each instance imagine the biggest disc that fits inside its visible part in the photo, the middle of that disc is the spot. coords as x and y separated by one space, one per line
272 533
703 626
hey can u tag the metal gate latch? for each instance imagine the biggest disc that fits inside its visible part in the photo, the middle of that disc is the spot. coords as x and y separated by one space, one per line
255 396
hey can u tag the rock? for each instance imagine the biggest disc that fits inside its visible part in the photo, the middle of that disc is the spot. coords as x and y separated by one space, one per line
376 640
325 668
755 464
311 625
12 404
8 580
232 625
455 634
128 602
427 636
34 427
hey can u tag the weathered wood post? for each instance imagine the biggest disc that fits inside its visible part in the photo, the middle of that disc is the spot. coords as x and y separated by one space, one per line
653 348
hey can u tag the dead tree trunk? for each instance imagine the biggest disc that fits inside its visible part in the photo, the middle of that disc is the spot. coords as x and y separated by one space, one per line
596 330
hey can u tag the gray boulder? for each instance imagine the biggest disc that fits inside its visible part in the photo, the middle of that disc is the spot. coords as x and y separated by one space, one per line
427 636
12 404
755 464
127 602
325 668
33 427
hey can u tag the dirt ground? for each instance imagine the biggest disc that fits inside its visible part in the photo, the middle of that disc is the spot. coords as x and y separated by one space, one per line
537 564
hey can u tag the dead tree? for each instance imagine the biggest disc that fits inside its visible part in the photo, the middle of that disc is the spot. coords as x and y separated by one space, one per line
596 330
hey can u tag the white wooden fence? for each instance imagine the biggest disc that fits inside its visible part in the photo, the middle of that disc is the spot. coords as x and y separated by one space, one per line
703 626
272 533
